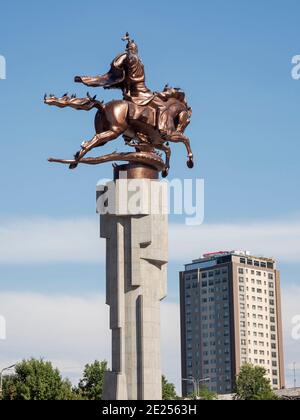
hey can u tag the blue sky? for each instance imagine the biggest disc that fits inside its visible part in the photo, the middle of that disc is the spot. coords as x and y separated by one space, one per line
232 58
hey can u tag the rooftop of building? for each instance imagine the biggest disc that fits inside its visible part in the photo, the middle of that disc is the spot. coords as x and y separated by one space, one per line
220 256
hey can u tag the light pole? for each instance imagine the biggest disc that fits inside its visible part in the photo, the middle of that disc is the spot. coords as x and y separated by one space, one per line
1 377
196 383
199 381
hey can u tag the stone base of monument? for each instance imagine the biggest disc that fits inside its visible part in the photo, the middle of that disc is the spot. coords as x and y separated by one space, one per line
133 216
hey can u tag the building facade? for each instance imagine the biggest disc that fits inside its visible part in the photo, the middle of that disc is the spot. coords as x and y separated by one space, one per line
230 315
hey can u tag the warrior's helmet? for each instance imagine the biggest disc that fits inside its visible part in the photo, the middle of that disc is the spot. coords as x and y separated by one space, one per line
131 45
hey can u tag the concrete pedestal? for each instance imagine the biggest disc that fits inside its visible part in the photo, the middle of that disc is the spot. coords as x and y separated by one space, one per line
136 282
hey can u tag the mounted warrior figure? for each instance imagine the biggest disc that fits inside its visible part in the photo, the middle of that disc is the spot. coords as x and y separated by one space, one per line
147 120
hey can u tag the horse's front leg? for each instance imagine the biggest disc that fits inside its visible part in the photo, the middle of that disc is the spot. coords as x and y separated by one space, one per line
97 140
178 137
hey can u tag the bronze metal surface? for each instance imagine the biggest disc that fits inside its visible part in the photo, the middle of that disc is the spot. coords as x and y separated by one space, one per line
135 171
148 121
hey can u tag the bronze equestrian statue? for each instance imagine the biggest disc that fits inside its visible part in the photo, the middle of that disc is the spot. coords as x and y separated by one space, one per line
148 121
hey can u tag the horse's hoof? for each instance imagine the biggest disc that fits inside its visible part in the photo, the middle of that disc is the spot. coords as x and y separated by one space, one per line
73 165
165 173
190 163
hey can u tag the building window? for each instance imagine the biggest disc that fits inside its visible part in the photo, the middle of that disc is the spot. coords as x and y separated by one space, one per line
263 265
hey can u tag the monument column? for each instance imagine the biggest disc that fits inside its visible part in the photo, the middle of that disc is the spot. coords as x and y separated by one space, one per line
136 235
134 222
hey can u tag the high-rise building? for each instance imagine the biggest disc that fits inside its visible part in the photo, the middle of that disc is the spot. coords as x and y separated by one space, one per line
230 315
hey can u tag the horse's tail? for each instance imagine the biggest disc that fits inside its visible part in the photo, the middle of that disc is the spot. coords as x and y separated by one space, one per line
96 104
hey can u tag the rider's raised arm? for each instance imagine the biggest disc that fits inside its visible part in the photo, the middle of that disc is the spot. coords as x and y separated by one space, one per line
93 81
115 76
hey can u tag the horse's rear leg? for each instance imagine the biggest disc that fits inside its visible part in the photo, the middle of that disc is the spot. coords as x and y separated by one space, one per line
167 149
97 140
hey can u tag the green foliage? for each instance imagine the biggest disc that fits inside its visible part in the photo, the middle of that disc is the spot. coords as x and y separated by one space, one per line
36 380
204 394
39 380
91 386
252 384
168 390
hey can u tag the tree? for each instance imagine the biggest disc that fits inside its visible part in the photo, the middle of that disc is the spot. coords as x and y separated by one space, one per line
36 380
205 394
91 386
252 384
168 390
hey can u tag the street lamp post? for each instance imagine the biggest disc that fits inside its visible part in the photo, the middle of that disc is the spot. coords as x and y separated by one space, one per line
196 383
1 376
199 382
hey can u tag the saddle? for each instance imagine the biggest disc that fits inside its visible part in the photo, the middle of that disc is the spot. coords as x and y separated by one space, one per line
154 109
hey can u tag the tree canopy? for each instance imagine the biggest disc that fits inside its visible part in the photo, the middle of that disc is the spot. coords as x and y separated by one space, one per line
168 390
252 384
36 380
91 385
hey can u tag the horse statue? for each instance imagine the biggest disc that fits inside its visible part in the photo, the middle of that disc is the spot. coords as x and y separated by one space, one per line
148 121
